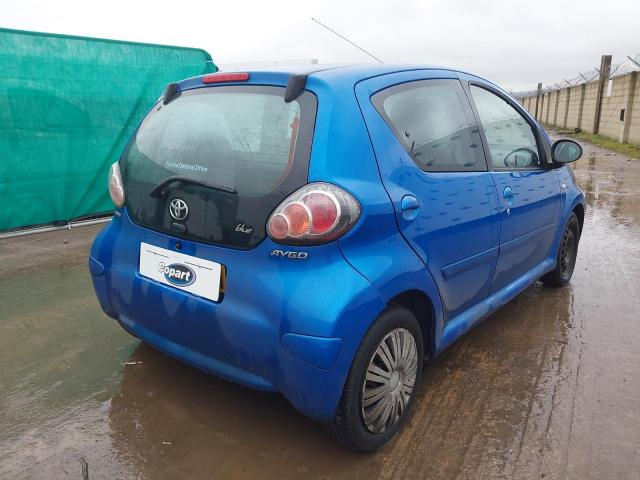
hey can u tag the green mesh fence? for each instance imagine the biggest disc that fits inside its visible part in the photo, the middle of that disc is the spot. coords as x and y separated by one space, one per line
68 105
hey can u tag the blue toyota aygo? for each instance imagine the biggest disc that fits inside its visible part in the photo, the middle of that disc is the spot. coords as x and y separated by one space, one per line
321 233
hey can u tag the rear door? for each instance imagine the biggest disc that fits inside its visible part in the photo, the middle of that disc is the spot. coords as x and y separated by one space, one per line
432 165
530 197
237 152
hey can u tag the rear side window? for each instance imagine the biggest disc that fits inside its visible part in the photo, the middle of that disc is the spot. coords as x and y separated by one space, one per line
434 122
512 144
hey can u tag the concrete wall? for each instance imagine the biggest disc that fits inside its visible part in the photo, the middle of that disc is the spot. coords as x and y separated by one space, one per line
589 106
575 107
610 123
561 116
634 115
573 112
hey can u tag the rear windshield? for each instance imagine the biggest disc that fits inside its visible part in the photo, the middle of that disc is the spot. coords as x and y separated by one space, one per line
240 140
246 138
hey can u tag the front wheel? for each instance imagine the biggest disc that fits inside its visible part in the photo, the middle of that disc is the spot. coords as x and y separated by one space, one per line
380 389
567 254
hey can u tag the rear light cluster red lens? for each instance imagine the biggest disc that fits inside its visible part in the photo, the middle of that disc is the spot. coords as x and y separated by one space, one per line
225 77
116 188
316 213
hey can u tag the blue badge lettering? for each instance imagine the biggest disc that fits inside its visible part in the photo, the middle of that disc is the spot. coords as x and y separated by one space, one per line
177 274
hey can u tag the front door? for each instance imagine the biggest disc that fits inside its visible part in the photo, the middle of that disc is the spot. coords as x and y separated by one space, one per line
529 193
432 164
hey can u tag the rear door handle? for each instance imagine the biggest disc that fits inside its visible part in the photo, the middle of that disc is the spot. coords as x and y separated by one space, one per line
410 206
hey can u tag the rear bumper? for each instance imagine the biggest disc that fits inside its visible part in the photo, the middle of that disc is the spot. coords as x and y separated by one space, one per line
283 325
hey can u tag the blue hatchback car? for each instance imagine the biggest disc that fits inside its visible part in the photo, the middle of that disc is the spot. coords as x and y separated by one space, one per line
321 233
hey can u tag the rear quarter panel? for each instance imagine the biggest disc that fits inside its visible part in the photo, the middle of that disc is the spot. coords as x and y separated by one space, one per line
343 154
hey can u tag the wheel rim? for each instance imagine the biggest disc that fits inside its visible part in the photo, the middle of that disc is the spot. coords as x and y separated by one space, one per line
568 252
389 380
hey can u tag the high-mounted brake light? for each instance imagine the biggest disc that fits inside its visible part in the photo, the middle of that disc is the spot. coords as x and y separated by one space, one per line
225 77
116 187
316 213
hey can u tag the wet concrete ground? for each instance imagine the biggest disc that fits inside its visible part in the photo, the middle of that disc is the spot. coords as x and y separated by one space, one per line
549 387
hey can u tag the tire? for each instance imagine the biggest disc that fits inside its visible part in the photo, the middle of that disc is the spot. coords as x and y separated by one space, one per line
355 425
567 253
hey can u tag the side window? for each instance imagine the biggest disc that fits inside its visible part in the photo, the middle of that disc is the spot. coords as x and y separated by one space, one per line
434 122
512 143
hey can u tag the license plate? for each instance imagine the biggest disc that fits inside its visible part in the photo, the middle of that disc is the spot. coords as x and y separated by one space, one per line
191 274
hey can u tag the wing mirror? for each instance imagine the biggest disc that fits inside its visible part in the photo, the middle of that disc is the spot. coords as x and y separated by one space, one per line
565 151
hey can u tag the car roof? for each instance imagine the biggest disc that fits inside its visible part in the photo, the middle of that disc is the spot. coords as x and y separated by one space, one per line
344 75
343 71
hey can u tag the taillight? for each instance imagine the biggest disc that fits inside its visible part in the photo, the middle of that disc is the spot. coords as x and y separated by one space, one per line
116 188
316 213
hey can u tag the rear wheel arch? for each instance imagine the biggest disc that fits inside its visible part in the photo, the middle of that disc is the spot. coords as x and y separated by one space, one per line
418 303
349 425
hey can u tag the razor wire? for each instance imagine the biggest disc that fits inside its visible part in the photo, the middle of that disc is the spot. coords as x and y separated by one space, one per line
628 65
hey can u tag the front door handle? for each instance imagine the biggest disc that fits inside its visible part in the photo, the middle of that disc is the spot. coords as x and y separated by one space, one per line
507 194
410 206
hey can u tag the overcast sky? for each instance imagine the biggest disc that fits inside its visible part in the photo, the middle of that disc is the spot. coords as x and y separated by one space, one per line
513 43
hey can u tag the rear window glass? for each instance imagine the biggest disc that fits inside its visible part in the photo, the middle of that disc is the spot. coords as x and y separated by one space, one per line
245 148
240 140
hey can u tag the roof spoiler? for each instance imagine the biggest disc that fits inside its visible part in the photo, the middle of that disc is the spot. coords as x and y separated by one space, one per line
170 93
295 86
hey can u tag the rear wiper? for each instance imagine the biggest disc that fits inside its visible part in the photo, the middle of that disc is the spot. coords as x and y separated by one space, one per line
160 190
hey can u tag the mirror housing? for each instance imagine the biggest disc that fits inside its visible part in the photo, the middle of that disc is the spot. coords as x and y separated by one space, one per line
565 151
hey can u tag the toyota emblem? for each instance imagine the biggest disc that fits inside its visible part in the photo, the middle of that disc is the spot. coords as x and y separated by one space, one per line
178 209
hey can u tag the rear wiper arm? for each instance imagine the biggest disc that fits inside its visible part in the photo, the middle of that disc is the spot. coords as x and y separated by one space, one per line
160 190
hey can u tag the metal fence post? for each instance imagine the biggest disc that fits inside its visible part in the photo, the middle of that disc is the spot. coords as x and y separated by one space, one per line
583 91
628 107
566 107
605 68
539 90
548 107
